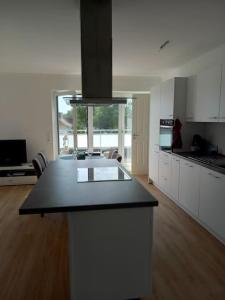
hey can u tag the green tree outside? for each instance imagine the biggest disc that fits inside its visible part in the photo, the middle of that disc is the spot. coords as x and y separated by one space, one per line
104 117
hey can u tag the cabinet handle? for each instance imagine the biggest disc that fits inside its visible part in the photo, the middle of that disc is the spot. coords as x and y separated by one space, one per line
213 118
214 176
190 166
175 159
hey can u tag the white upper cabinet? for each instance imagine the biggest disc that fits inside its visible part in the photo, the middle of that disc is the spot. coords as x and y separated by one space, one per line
208 94
167 99
191 98
203 96
222 100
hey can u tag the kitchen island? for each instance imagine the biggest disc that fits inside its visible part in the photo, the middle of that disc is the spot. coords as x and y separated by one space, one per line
110 227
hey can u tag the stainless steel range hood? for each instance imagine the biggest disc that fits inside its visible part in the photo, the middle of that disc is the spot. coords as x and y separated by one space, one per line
96 53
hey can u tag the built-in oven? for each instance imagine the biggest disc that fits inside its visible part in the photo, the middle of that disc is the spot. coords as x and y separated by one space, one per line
166 134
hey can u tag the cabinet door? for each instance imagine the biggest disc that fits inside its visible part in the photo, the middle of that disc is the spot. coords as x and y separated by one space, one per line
189 186
164 171
208 95
175 176
167 99
154 165
191 98
212 201
222 100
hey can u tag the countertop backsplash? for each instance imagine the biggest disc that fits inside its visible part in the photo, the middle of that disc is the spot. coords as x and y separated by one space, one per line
215 133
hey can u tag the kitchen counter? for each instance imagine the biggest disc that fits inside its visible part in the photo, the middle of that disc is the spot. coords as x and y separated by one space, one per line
210 161
110 228
57 190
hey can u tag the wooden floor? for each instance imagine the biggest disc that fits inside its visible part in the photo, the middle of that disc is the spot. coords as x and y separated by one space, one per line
188 262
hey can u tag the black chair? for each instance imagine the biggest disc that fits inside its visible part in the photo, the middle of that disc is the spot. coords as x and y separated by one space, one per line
43 159
119 158
114 154
37 167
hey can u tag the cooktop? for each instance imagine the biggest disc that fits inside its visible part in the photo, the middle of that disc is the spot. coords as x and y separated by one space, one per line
217 160
101 174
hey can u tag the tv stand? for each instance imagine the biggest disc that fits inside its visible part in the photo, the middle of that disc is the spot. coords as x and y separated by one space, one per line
17 175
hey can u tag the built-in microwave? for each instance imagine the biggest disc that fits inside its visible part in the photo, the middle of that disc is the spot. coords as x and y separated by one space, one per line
166 134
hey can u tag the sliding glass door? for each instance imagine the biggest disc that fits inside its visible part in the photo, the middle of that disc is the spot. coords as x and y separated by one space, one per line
95 128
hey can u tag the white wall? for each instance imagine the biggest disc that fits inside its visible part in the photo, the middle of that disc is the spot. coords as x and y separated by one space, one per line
26 108
214 132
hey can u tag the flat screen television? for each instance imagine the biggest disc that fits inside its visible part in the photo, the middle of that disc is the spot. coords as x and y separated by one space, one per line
13 152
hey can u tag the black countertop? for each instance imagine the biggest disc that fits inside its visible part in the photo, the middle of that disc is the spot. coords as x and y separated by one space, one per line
57 190
202 160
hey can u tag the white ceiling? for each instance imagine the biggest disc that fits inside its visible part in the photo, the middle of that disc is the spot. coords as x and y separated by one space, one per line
43 36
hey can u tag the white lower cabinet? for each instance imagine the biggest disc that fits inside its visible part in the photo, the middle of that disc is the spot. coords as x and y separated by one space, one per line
212 201
154 165
198 190
189 186
164 171
175 178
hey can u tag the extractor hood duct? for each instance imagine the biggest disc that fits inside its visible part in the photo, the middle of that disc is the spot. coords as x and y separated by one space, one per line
96 53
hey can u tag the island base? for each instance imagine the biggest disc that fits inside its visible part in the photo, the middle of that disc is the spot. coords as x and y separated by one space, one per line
111 253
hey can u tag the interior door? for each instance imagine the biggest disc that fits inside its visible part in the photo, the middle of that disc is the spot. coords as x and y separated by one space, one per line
140 134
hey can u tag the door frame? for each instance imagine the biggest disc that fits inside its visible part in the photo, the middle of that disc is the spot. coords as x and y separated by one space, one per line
90 133
142 122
